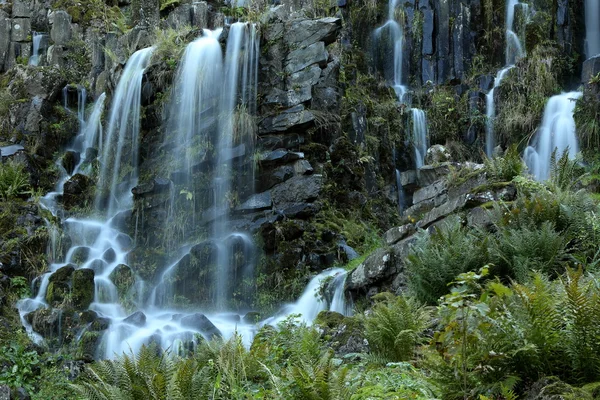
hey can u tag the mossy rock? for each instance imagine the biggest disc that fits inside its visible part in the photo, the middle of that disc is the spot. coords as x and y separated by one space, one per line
554 389
330 319
63 274
87 346
83 288
57 292
123 278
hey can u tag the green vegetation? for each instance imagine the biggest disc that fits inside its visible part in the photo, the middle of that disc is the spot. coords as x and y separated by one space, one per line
14 181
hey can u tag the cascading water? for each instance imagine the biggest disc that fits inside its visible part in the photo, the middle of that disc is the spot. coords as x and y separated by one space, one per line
556 134
592 28
122 136
419 135
324 292
390 34
84 140
38 48
214 92
490 140
513 52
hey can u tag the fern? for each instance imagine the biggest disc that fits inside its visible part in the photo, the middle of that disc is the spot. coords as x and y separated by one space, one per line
395 327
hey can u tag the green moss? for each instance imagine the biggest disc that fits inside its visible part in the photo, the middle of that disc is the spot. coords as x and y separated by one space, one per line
83 288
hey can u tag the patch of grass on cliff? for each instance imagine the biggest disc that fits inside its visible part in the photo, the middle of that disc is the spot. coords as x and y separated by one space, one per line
525 91
85 11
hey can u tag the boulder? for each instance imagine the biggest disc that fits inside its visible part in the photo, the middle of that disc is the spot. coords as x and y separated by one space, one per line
61 28
45 321
304 32
306 77
75 190
299 189
138 318
200 323
70 160
398 233
180 17
83 288
378 266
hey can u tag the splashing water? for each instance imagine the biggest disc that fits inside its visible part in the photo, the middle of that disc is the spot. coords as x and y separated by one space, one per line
557 133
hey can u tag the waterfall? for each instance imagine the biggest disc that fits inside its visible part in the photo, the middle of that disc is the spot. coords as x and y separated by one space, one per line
557 133
490 140
391 33
38 48
419 136
513 52
120 155
592 28
84 139
324 292
216 93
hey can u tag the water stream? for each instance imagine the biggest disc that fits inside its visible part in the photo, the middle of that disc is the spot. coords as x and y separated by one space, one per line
556 134
514 51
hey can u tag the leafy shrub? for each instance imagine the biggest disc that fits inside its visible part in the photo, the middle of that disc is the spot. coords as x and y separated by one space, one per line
496 337
395 327
435 260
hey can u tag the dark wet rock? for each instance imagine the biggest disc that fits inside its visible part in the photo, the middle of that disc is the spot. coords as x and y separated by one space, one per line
303 167
83 288
479 217
304 57
200 323
157 185
301 211
76 191
91 153
299 189
80 254
70 161
289 98
252 317
591 68
109 255
45 321
138 318
398 233
295 117
348 252
285 141
307 77
429 174
98 266
278 157
256 202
